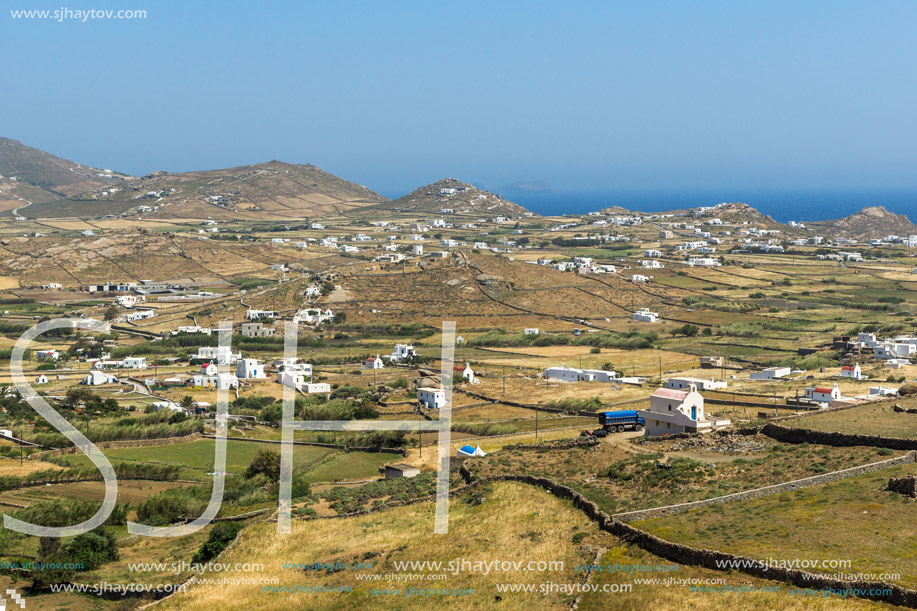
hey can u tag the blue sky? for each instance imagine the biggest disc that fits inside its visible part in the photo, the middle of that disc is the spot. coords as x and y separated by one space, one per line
596 95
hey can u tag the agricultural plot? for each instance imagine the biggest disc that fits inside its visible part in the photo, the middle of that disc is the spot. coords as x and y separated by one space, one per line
196 457
621 476
851 520
877 419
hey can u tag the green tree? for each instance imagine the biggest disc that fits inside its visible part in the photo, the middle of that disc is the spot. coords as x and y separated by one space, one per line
265 462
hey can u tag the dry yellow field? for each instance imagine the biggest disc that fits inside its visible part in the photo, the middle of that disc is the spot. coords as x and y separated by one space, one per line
11 466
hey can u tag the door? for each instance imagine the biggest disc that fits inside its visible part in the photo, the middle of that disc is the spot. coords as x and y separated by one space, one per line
693 412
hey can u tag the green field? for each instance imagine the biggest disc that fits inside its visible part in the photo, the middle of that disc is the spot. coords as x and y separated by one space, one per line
196 457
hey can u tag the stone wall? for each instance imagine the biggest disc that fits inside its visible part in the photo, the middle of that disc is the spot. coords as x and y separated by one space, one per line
815 480
712 559
794 435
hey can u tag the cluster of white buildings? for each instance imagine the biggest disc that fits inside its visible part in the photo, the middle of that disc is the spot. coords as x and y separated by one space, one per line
901 347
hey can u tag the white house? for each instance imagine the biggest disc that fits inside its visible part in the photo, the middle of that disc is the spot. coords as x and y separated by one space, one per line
249 369
256 314
139 315
297 380
823 395
292 364
468 373
532 331
652 253
209 369
134 362
433 398
568 374
373 362
98 378
644 315
678 411
42 379
129 301
221 355
417 250
703 262
47 355
894 350
314 317
402 351
866 340
852 372
221 381
771 373
685 383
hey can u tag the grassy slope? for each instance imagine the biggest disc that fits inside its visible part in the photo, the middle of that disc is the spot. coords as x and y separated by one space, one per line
851 520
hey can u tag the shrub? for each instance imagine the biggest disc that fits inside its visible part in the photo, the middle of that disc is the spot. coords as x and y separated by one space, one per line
220 537
266 462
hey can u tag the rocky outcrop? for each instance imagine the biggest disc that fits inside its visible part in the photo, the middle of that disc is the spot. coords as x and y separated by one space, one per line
903 485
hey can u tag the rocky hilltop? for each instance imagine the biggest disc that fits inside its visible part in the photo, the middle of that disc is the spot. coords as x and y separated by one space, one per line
453 194
870 222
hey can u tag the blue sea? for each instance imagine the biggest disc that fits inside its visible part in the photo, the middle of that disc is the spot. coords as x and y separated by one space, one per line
782 205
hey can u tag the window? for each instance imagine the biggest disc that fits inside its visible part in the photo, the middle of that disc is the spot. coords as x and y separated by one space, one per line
670 407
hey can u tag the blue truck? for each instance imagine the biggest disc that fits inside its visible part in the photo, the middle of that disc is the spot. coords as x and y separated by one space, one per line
622 420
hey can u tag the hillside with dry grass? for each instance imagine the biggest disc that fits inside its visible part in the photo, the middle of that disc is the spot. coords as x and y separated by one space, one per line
871 222
266 191
30 175
450 193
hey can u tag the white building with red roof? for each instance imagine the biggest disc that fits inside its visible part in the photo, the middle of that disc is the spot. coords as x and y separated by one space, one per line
848 371
373 362
823 394
677 411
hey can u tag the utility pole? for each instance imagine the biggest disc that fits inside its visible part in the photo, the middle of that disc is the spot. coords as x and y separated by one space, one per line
660 368
536 423
504 379
420 433
20 445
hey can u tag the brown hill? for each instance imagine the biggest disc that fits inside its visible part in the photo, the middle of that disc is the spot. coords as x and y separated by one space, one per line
265 191
450 193
738 214
30 175
871 222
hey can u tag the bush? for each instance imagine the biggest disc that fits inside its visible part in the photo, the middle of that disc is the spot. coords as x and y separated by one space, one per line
266 462
220 537
92 549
